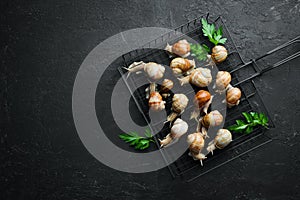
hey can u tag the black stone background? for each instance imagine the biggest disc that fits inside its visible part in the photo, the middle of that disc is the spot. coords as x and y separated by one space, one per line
43 44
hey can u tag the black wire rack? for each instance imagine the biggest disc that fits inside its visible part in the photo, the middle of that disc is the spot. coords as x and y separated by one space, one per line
243 76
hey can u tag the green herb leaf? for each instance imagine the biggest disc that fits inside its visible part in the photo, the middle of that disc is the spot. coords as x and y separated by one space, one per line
206 48
249 129
248 117
137 141
199 51
253 119
214 36
240 122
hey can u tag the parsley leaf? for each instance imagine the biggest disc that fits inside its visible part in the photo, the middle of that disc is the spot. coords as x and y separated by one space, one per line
214 35
137 141
252 119
200 52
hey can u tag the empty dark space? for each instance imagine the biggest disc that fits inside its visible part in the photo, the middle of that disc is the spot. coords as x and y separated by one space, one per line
43 44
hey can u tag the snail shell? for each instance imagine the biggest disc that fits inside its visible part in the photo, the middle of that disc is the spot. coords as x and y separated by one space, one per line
201 98
223 80
178 129
180 48
181 65
214 118
154 70
222 139
200 77
179 103
233 96
166 85
196 143
219 54
155 102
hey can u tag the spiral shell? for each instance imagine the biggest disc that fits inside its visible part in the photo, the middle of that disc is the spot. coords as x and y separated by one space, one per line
196 142
166 85
201 77
223 80
178 129
219 54
180 48
180 101
214 118
154 71
233 96
155 102
222 139
201 98
181 65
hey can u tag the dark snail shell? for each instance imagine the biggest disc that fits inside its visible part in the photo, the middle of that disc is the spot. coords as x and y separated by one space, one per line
201 98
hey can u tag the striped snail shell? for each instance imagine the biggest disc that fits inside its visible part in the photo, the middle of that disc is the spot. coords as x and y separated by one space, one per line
200 77
179 103
181 65
223 79
214 118
233 96
219 54
180 48
196 143
155 102
166 85
222 139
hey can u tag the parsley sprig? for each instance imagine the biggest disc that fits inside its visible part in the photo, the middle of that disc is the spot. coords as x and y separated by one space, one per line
252 119
137 141
200 52
214 35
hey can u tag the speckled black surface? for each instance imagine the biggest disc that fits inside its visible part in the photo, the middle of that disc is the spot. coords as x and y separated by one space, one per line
42 46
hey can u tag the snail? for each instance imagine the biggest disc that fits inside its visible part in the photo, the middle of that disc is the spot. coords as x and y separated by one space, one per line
196 143
223 79
219 54
155 99
202 100
181 65
222 139
179 103
178 129
214 118
200 77
153 70
180 48
233 96
166 86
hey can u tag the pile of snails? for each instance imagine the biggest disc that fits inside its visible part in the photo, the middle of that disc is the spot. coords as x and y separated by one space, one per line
185 71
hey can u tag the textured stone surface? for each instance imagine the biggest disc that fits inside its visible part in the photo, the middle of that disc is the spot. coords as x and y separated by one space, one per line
42 46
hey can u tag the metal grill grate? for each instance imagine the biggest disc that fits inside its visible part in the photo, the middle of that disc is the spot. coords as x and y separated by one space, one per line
242 73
